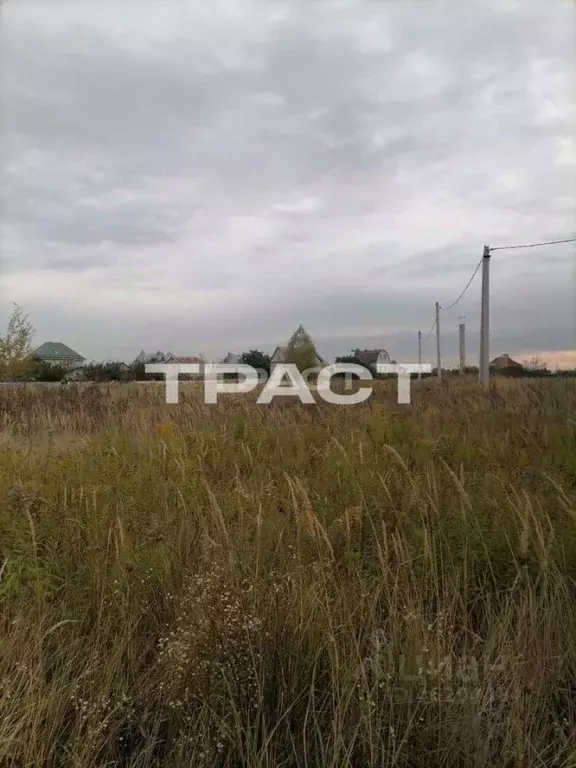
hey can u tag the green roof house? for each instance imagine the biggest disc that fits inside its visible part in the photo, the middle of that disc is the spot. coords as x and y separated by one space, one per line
56 353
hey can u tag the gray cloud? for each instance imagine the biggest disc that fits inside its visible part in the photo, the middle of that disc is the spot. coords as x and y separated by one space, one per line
205 178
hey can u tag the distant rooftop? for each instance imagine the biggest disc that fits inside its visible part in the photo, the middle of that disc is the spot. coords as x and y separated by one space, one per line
371 356
505 361
183 359
153 357
55 350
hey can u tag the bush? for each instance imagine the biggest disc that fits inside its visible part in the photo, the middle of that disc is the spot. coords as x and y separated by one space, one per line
47 372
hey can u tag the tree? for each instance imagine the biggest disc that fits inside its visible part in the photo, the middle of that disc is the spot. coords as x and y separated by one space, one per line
256 359
43 371
301 350
137 372
348 359
108 371
536 364
16 361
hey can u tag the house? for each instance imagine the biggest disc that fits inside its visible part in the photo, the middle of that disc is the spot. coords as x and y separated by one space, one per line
56 353
231 358
371 357
187 360
279 356
183 359
153 357
505 362
169 357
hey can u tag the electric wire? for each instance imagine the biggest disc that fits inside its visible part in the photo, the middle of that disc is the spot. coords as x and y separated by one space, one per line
490 249
531 245
469 283
429 332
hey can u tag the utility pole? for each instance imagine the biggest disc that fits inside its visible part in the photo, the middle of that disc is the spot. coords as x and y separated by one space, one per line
419 352
462 337
484 368
438 361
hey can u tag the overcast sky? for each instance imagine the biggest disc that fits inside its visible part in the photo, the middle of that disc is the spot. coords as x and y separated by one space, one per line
202 177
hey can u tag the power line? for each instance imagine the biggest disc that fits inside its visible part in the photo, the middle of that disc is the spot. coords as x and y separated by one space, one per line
532 245
465 289
424 338
484 333
430 331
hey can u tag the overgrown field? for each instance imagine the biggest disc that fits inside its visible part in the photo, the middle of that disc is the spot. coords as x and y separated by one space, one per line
243 585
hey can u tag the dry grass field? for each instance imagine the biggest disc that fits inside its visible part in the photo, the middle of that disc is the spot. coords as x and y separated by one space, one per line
264 587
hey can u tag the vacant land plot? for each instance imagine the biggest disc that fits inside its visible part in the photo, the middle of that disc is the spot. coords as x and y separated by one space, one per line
242 585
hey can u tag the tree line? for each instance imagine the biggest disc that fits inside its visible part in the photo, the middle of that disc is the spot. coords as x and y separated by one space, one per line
17 361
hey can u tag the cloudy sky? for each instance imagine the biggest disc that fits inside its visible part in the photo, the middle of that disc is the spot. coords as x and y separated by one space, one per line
204 176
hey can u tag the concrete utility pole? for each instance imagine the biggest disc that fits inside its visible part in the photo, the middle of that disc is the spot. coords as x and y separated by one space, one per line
438 361
419 352
484 368
462 337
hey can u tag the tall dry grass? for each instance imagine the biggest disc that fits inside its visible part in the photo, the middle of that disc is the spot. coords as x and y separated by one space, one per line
241 585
